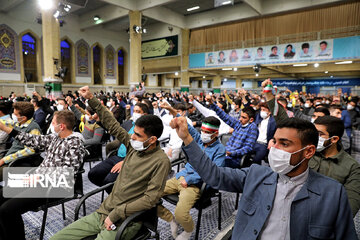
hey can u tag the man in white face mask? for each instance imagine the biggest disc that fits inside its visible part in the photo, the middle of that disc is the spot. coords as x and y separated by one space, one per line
140 182
332 161
286 201
22 120
188 182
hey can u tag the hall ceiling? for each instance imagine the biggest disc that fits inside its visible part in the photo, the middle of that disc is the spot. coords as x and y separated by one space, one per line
174 12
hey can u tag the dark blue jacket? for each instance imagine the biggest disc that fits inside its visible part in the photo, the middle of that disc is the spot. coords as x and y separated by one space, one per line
320 209
271 128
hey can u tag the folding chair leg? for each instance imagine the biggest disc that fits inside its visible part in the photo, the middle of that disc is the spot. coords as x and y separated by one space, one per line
84 209
63 210
90 165
237 201
198 225
219 211
102 195
43 224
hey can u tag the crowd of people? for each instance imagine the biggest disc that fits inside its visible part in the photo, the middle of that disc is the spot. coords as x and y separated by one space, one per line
299 177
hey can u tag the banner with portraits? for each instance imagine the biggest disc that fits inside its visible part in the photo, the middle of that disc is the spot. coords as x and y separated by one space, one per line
282 53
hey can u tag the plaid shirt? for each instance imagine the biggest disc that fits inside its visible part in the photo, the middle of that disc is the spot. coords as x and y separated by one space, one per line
60 152
242 140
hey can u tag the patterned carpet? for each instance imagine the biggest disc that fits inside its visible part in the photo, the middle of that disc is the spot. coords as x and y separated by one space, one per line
54 222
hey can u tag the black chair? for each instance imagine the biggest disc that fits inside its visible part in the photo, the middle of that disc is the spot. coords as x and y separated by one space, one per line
95 150
206 193
148 218
224 138
34 161
180 160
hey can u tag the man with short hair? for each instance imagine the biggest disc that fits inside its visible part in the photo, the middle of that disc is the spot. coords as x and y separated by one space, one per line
188 182
286 201
332 161
141 180
39 114
22 120
244 136
63 149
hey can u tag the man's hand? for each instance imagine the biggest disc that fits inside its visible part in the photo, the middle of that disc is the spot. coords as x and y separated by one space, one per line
117 167
5 128
268 95
183 182
2 162
127 107
85 92
228 153
180 125
167 106
108 223
37 95
69 100
191 97
169 152
209 99
155 105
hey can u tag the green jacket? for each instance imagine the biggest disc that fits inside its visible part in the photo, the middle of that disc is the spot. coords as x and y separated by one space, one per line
141 181
343 168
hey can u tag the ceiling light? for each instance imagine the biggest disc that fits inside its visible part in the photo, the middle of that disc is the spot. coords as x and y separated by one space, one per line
235 69
45 4
344 62
176 73
193 8
26 52
57 14
144 30
203 76
326 71
226 2
226 69
316 65
67 8
257 75
96 18
225 79
300 65
331 76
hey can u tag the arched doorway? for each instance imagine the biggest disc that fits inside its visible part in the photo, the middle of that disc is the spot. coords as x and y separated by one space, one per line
66 59
97 65
29 57
121 67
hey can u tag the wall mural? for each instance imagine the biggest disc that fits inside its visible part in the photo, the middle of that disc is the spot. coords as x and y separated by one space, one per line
8 46
110 61
82 58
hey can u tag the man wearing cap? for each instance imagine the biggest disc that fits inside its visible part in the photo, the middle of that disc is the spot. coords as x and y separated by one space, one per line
188 182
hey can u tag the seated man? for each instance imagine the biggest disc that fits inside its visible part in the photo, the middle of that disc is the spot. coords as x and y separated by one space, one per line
107 171
63 149
39 114
22 121
244 136
267 127
286 201
139 184
188 182
332 161
92 132
4 116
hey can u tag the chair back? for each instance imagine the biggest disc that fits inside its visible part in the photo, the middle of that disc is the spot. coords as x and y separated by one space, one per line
225 138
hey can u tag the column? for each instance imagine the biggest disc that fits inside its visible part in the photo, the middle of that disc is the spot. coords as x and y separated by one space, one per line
185 80
217 84
51 52
239 83
135 49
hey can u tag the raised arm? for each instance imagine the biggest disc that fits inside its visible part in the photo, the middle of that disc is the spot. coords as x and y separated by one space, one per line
107 119
276 109
227 179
